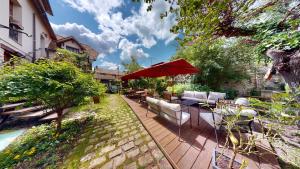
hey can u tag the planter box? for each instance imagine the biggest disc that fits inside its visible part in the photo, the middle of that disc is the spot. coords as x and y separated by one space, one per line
96 99
214 160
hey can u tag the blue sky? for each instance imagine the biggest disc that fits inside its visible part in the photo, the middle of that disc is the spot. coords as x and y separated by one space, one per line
117 29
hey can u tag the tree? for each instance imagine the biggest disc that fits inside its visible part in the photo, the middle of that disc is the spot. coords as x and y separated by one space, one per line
80 60
223 62
271 24
132 66
56 85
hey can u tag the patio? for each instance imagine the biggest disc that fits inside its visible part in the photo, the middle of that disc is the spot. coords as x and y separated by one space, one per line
197 143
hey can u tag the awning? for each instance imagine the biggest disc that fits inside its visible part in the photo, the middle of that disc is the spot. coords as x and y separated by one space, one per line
172 68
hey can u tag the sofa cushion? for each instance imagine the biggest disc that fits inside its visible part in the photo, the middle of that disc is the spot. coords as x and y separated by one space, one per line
184 118
191 98
211 101
242 102
200 95
188 94
152 100
153 104
171 109
216 96
232 111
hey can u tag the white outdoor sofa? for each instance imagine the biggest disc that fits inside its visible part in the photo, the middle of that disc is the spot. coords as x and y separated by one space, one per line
170 111
202 97
216 117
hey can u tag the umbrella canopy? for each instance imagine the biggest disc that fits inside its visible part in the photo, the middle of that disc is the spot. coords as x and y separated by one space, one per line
172 68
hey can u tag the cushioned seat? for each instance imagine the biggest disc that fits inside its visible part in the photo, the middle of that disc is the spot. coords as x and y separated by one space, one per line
153 104
173 111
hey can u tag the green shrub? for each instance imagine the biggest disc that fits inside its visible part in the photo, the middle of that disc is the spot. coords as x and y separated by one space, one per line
41 140
180 88
230 93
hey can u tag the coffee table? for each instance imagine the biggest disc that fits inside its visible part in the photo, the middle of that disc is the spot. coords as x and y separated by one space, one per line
189 103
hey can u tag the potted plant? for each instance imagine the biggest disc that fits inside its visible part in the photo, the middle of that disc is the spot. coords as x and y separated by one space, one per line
276 116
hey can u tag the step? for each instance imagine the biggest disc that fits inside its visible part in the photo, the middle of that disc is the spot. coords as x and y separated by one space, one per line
11 106
37 114
53 116
22 111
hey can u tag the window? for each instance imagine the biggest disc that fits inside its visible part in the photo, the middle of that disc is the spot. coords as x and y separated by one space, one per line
75 50
15 17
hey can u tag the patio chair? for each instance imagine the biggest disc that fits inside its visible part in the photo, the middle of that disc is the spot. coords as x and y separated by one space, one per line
153 105
174 112
217 117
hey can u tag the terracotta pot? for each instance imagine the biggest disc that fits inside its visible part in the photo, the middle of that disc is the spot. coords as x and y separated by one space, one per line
96 99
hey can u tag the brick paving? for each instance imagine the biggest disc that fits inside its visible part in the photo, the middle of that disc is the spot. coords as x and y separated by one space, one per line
117 139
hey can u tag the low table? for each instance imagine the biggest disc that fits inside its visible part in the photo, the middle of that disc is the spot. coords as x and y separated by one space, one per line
189 103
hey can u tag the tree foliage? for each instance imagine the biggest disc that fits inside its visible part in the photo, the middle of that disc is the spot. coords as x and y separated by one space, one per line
271 23
56 85
80 60
221 63
132 66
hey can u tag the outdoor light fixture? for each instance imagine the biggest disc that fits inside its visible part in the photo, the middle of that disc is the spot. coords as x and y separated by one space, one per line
6 27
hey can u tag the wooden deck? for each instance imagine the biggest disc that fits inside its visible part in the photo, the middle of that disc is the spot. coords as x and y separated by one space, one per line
194 150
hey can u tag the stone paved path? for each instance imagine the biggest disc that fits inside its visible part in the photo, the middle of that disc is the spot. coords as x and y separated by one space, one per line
116 140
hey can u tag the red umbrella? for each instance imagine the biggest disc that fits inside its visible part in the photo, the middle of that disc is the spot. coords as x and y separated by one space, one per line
172 68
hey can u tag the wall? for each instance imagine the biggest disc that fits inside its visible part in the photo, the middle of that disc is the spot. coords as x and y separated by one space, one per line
71 44
26 47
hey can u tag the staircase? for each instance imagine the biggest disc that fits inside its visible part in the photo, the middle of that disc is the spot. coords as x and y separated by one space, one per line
20 112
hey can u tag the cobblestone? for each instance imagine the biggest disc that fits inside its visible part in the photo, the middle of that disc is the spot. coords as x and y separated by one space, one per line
151 145
133 153
144 149
128 146
115 153
131 166
96 162
145 160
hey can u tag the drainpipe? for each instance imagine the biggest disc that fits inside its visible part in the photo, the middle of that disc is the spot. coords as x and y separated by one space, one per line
33 38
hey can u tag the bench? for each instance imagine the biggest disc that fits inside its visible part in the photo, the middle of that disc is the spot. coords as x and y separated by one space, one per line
169 111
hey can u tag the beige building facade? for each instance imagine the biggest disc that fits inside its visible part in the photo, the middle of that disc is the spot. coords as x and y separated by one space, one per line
25 30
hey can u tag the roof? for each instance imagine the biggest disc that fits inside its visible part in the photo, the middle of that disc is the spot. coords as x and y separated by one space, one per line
108 71
88 49
43 7
61 39
172 68
91 52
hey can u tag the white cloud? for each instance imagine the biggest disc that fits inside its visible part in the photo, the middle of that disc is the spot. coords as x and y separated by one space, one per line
130 49
147 26
109 65
105 42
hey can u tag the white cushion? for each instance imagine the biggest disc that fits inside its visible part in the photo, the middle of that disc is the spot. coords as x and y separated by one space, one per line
152 100
171 109
216 96
184 118
233 111
191 98
248 112
188 94
242 101
200 95
211 101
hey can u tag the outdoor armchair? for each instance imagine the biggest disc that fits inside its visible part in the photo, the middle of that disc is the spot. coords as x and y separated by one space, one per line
170 111
174 113
217 117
